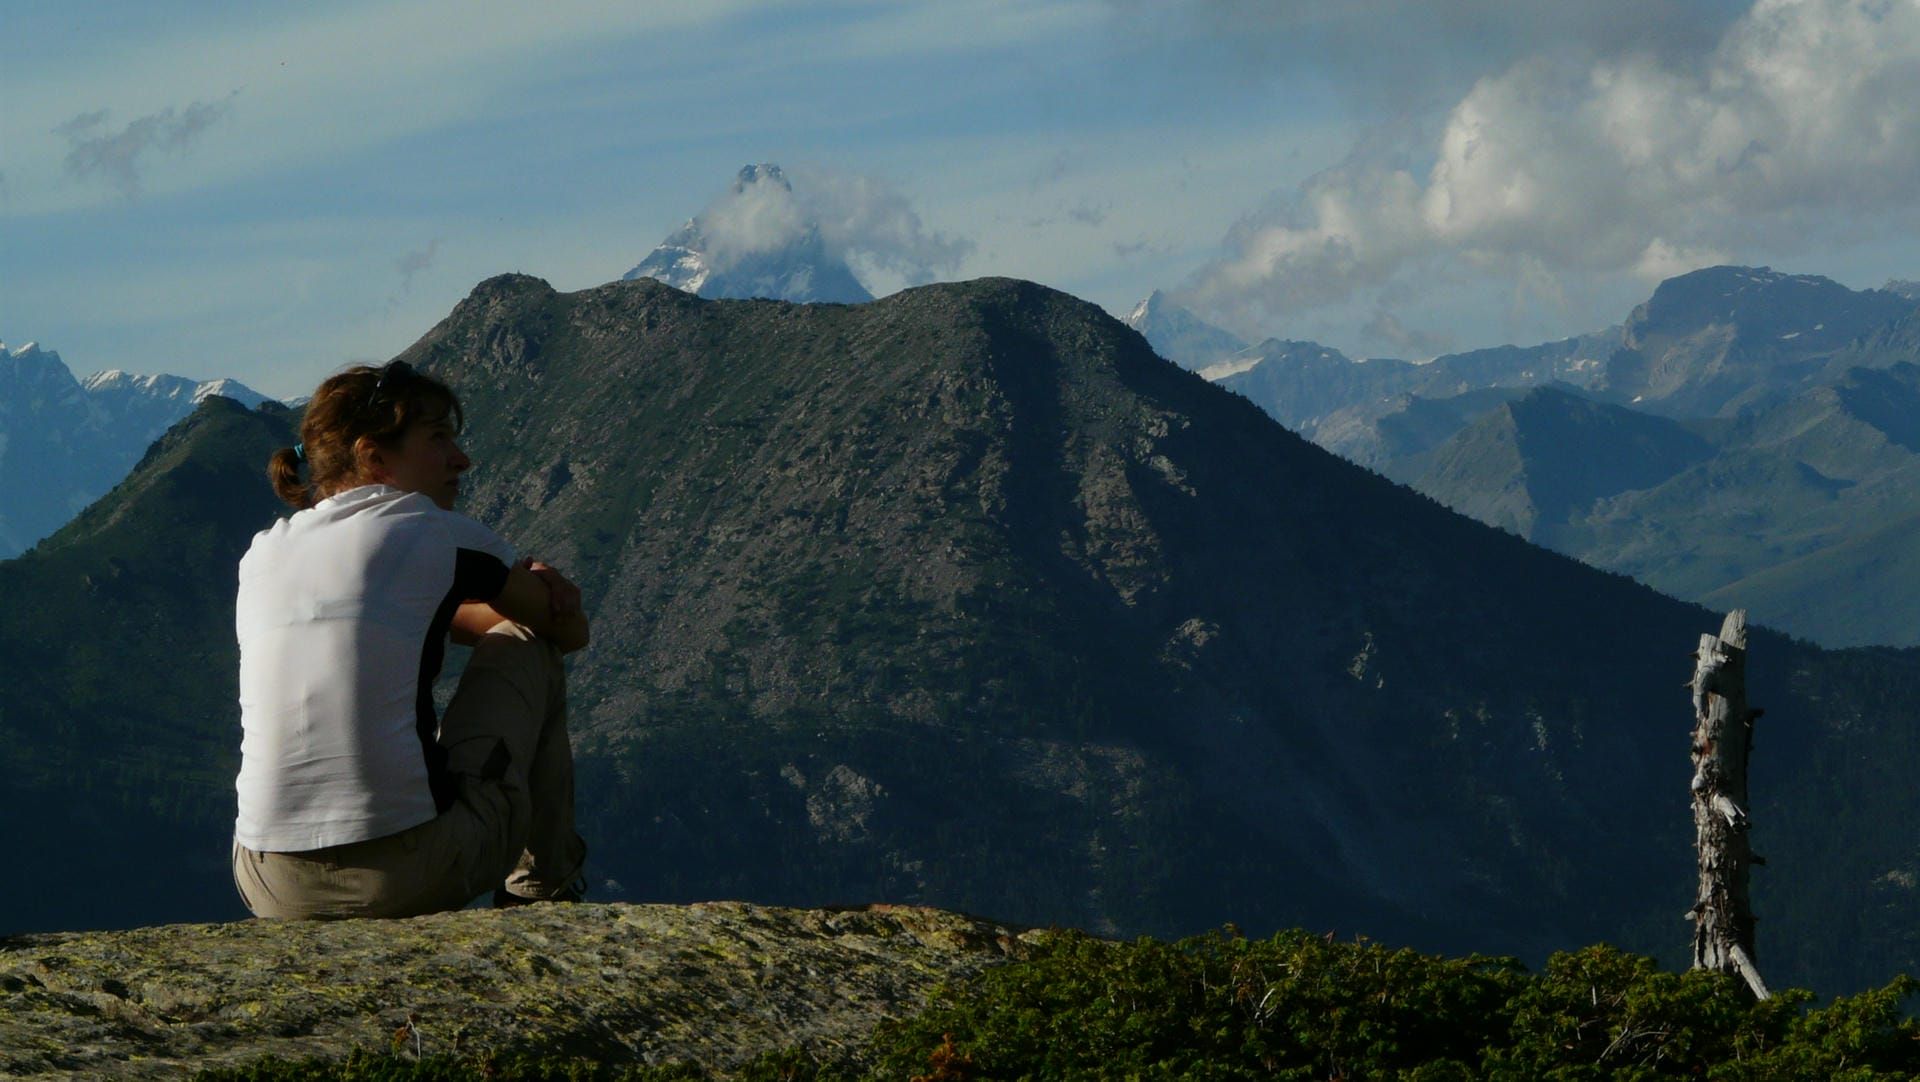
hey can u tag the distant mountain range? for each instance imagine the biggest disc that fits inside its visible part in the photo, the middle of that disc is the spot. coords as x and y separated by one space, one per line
1341 403
65 442
1739 440
964 597
1796 510
788 267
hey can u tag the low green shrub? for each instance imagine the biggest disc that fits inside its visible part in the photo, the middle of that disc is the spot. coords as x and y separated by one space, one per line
1304 1007
1220 1007
1215 1006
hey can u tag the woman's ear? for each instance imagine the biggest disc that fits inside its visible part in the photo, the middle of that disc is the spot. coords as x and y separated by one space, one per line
369 463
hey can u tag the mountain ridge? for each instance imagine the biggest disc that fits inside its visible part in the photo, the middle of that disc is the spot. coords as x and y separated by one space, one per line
1712 342
966 597
1716 341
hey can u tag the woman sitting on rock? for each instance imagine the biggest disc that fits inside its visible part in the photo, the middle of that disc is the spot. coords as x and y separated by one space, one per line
355 801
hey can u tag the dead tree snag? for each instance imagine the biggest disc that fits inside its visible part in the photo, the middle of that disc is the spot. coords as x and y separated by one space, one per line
1722 739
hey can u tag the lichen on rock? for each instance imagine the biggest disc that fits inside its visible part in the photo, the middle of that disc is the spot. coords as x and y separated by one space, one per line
711 983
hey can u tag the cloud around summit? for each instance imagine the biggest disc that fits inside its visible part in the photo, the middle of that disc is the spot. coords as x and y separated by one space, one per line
858 219
1603 156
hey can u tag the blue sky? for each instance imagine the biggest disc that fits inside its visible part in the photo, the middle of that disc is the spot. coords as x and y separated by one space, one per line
270 191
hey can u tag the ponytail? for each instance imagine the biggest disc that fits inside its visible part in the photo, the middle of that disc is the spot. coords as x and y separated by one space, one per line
358 403
283 469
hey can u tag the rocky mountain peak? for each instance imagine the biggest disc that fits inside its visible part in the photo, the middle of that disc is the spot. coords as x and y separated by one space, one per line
1723 340
764 173
227 388
30 363
1178 334
1146 309
1760 301
500 296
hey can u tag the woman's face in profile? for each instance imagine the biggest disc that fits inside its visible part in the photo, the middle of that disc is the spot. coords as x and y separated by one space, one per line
428 461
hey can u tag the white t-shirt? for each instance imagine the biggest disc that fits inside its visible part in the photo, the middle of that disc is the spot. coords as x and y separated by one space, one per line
342 618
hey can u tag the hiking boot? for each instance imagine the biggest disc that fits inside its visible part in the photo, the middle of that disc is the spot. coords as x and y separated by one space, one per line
505 899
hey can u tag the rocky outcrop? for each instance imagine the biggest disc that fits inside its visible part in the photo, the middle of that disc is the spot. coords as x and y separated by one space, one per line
714 984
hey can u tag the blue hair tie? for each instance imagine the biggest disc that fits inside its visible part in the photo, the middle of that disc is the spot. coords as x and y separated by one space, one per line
300 451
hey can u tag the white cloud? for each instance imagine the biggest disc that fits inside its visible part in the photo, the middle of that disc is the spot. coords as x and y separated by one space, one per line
1796 124
856 217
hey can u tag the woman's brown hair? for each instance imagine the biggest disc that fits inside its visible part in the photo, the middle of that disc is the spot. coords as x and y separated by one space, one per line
360 402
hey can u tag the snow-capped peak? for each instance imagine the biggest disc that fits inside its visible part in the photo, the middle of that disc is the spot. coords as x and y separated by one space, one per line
31 351
117 383
1180 336
1145 309
31 361
229 388
755 241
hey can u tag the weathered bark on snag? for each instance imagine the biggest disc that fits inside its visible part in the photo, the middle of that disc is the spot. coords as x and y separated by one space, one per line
1722 739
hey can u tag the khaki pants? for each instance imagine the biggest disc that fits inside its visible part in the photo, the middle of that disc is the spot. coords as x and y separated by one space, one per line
514 829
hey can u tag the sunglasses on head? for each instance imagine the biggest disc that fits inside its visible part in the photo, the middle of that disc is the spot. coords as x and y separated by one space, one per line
401 369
